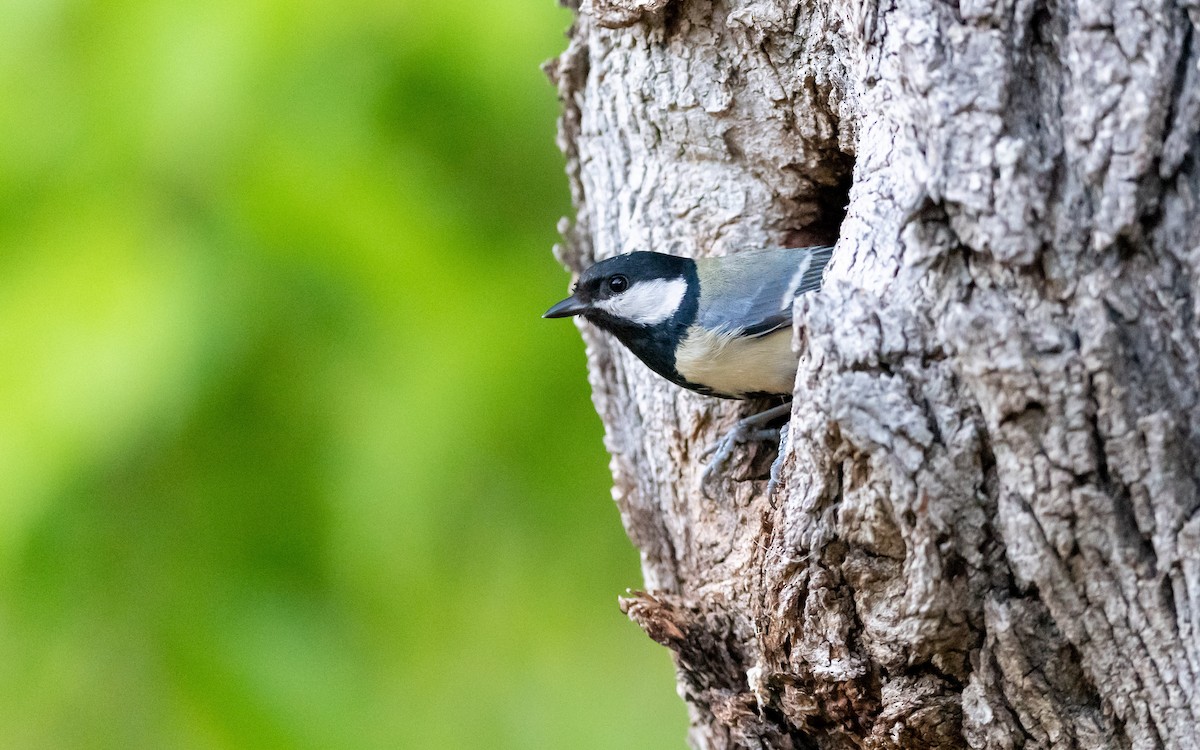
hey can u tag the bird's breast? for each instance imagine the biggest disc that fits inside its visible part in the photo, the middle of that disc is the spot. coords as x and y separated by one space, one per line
737 366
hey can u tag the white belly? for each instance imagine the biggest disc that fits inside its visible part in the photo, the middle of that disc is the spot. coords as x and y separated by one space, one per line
736 366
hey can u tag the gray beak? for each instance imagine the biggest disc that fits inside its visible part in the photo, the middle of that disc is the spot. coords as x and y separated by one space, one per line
568 307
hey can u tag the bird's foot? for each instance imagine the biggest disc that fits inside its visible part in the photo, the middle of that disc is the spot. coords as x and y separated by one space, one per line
752 429
777 464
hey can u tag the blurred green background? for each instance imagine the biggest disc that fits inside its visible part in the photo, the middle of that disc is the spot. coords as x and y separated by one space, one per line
287 457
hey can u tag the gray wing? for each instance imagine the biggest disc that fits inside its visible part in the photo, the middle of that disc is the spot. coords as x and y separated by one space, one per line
753 291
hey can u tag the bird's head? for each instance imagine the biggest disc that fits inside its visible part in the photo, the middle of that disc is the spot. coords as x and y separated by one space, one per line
635 290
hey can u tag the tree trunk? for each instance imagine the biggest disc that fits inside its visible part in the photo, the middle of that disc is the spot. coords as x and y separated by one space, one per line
985 529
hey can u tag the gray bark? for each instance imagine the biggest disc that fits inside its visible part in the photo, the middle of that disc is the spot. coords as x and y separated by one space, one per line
985 532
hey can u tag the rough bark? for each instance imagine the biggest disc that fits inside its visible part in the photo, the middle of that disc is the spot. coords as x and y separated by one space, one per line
985 531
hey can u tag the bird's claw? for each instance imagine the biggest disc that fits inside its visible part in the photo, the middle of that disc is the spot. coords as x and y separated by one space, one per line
777 464
723 448
748 430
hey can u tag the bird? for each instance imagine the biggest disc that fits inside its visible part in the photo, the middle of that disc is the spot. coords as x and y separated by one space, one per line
719 326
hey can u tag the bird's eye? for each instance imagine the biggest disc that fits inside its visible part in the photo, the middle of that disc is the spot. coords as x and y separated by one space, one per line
618 284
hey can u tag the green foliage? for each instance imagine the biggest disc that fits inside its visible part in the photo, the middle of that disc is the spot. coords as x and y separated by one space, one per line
287 457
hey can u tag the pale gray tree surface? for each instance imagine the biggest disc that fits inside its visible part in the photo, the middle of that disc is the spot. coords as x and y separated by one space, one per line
986 530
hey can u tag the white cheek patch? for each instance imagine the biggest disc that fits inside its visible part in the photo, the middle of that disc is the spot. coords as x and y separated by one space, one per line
647 303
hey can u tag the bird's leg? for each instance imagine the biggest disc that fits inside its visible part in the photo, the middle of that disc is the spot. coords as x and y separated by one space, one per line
777 464
748 430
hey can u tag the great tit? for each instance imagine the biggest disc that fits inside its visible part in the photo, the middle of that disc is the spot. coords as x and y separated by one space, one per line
718 326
